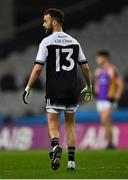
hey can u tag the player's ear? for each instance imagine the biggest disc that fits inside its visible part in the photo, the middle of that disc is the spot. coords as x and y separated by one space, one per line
54 22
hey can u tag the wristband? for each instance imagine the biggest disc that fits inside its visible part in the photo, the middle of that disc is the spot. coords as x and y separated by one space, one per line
27 88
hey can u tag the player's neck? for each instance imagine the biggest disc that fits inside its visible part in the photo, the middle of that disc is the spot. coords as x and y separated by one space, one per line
57 29
105 65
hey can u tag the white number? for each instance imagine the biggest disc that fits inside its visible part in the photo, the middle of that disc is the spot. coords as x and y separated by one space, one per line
57 60
68 58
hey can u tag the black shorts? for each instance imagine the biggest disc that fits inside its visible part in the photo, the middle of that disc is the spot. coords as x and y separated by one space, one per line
65 104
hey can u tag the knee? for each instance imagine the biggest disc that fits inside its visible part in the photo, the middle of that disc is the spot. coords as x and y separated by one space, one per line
105 122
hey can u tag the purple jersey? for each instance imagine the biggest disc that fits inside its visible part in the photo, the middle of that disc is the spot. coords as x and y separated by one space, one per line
103 82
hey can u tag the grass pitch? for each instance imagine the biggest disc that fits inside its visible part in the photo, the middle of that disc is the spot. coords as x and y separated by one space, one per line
90 164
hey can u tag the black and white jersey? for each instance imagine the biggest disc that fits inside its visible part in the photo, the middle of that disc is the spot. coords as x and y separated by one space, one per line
61 53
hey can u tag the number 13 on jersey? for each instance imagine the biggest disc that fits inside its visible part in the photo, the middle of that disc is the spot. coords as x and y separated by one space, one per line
59 53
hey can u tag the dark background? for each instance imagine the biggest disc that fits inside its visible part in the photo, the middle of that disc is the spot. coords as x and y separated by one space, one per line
27 19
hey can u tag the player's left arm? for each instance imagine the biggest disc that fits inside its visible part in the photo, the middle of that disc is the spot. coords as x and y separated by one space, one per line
88 87
87 75
84 66
119 85
119 82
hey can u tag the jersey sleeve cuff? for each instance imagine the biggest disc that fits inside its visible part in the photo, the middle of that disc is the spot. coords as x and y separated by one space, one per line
38 62
82 62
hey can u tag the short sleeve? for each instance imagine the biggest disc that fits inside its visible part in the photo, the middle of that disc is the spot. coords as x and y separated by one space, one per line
81 56
41 54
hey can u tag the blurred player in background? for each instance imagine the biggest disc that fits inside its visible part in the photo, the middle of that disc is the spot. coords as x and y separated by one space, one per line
108 90
61 53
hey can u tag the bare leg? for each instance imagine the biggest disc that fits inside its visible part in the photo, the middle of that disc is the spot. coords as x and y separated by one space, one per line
53 125
70 128
53 130
106 122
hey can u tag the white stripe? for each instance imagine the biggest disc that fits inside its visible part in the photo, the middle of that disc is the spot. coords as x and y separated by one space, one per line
57 60
73 108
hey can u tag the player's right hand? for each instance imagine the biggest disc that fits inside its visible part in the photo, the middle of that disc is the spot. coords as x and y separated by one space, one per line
88 93
26 94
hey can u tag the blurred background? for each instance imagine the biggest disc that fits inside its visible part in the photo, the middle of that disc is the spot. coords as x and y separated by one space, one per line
97 24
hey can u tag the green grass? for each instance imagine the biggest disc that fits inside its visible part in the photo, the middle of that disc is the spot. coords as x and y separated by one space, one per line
90 164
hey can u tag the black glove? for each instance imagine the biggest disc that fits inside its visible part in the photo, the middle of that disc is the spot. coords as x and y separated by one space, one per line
26 94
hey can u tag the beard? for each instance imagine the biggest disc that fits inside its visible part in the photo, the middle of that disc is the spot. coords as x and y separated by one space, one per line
49 30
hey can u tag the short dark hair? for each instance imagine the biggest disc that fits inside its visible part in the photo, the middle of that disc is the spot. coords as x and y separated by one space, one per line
103 53
56 14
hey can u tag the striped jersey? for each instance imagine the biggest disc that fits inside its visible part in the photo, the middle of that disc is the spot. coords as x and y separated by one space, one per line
61 53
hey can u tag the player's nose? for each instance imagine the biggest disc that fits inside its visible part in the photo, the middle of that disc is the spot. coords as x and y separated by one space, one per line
43 24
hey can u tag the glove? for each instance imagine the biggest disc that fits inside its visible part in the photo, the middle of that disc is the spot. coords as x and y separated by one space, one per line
88 93
26 94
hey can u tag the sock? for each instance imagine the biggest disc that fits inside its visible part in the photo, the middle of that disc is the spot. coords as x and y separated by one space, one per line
54 142
71 153
110 143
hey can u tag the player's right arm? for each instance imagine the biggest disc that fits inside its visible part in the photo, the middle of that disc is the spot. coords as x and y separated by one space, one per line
33 77
95 88
40 60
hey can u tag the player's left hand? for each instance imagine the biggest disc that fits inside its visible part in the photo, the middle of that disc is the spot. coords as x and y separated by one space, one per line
88 93
26 94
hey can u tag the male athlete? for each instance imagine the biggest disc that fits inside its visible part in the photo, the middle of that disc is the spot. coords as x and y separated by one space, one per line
108 89
61 53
